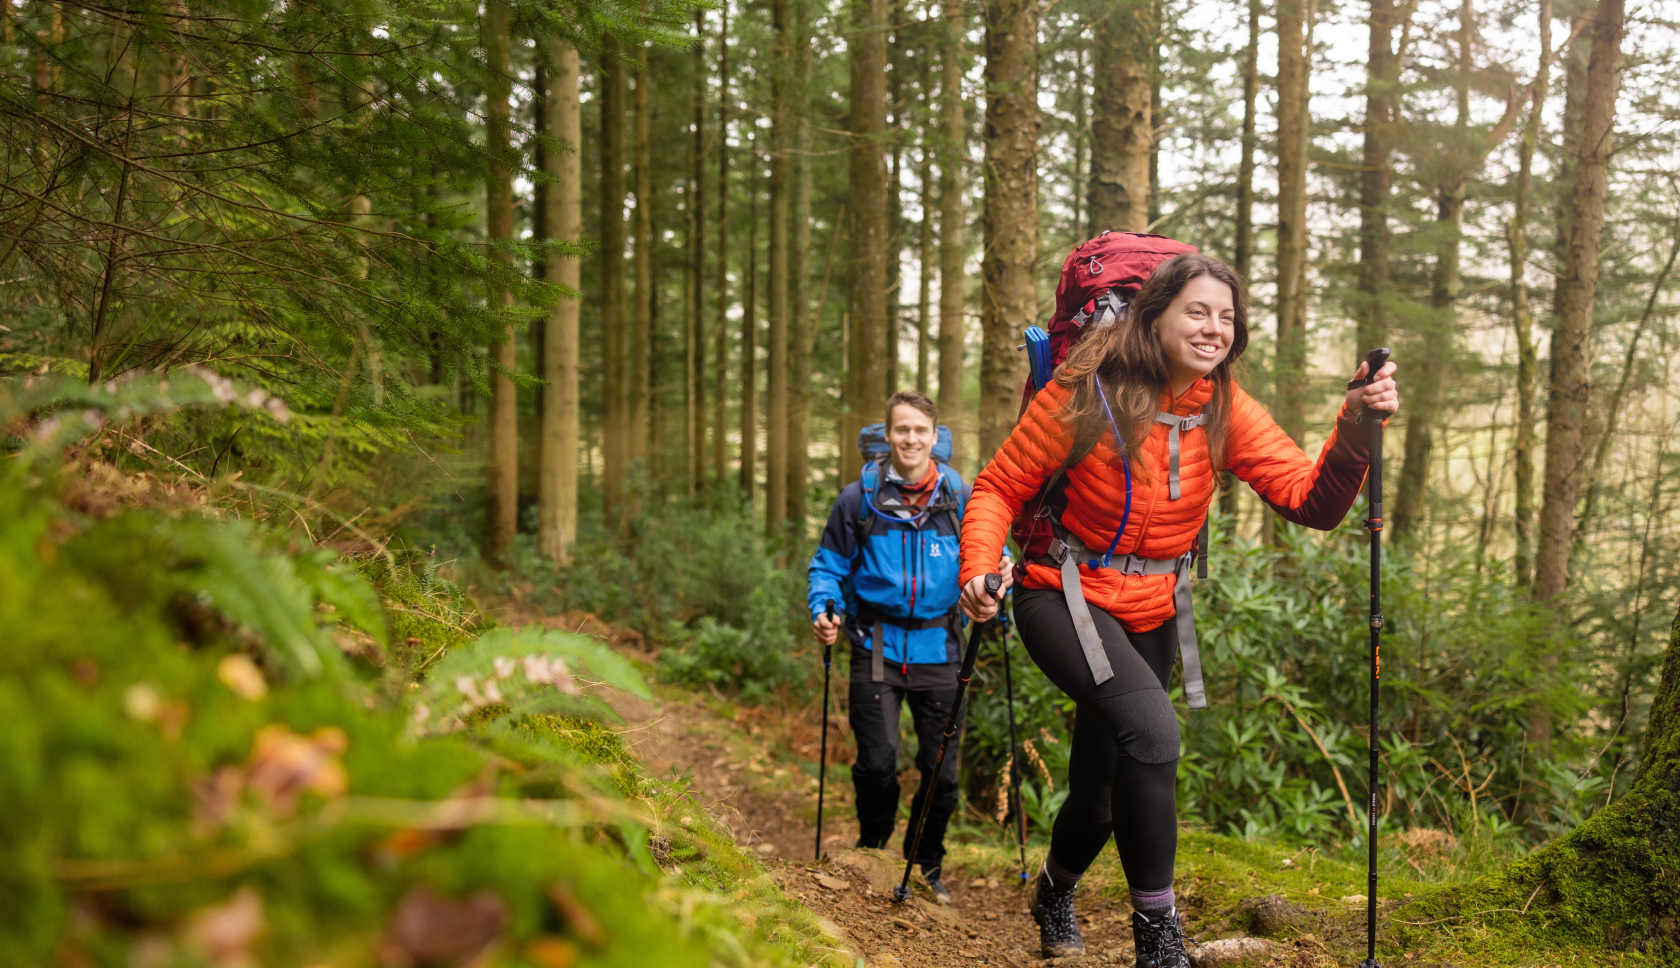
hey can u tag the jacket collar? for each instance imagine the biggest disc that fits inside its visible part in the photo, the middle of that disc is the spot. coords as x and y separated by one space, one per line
1195 397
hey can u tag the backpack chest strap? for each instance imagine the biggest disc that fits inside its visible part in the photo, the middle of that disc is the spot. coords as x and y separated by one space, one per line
1179 425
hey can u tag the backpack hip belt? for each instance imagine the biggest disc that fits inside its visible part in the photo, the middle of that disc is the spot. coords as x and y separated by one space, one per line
1068 552
868 615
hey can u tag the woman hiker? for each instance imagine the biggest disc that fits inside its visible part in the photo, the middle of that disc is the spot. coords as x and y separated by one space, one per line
1150 403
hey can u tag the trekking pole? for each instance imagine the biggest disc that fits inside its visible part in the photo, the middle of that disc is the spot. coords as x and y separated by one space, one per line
1373 524
1014 747
901 893
822 761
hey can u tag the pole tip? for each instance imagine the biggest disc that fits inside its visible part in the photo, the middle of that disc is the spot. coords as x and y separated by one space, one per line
901 894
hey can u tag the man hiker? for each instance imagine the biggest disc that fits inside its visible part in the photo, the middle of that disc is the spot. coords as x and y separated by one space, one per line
888 562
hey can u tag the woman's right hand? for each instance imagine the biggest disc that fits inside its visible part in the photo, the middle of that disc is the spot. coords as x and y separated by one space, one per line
976 604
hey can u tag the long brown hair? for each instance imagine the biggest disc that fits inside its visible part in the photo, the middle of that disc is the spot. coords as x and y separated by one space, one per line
1127 357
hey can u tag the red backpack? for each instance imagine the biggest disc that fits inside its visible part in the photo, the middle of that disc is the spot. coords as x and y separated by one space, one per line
1099 278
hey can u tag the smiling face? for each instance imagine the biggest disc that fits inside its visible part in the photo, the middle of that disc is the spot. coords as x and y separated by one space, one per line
911 434
1196 330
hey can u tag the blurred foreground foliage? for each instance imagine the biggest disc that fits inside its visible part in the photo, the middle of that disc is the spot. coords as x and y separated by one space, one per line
225 746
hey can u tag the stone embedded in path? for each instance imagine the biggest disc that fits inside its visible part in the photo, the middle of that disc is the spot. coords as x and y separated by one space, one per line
1232 952
832 883
1271 916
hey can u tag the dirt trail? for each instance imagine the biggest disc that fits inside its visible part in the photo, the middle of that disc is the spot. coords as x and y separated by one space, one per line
754 769
755 772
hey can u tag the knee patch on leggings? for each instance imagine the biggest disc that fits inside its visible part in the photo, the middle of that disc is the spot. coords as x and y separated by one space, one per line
1148 726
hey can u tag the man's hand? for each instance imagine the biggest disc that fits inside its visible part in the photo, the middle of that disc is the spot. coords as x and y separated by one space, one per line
826 629
976 604
1006 571
1380 395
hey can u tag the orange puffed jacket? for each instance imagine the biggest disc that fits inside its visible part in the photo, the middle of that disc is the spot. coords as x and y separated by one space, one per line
1317 495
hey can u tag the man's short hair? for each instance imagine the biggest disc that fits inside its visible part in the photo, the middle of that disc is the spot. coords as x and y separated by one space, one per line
912 398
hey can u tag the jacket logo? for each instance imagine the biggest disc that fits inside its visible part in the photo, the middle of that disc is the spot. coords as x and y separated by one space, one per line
933 552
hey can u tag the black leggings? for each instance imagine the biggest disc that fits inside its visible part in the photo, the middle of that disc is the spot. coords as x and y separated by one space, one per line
1123 766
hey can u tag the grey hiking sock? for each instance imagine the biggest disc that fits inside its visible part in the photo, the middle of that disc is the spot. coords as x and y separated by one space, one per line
1154 903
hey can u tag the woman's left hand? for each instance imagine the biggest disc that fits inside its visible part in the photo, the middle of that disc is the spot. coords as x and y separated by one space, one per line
1380 395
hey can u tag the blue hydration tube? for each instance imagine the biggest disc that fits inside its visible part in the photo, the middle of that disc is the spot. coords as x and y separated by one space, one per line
1125 465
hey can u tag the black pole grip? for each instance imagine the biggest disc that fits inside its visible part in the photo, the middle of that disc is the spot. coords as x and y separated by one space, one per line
1374 361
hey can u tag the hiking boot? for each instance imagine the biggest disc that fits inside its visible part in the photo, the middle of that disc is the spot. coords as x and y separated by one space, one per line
1159 940
940 894
1052 908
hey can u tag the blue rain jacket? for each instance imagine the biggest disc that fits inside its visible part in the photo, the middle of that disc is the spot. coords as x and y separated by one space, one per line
871 557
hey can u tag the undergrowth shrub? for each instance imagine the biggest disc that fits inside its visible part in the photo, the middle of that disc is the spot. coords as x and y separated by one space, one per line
699 581
203 762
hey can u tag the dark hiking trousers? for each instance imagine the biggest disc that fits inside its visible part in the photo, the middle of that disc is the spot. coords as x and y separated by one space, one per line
1123 764
874 717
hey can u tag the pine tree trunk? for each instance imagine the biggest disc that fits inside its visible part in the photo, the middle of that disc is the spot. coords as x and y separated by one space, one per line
866 365
1568 393
1522 321
694 374
1571 366
776 403
1243 257
641 317
1008 294
1122 137
802 325
501 505
720 349
563 215
924 248
1431 370
1292 135
748 374
952 151
614 322
895 198
1374 181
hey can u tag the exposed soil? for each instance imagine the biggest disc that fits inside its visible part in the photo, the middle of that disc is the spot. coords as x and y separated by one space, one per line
754 769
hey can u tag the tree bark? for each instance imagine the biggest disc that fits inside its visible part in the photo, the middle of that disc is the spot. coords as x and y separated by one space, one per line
953 148
924 248
563 213
802 326
695 371
1569 389
748 374
501 500
866 365
1243 257
614 94
895 197
1440 333
1008 295
1122 136
776 402
1292 135
641 317
720 349
1522 321
1374 180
